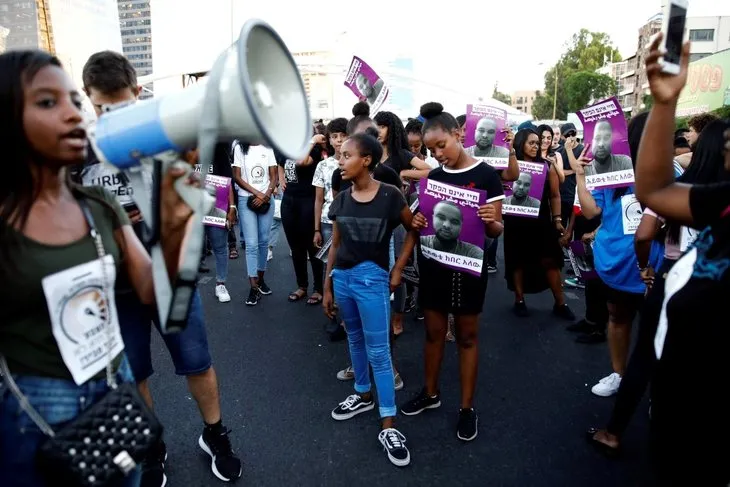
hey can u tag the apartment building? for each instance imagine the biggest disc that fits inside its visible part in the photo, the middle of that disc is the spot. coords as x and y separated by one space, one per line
522 100
135 25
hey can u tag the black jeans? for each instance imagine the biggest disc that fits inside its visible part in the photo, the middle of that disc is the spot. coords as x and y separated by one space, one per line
595 291
492 253
641 364
297 218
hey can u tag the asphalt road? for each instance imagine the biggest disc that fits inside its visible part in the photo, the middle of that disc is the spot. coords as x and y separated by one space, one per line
277 369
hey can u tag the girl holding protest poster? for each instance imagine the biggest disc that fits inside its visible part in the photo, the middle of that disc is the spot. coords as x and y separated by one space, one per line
614 255
444 290
532 253
364 217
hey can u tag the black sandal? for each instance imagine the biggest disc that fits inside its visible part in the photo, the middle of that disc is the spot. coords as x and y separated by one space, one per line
297 295
606 450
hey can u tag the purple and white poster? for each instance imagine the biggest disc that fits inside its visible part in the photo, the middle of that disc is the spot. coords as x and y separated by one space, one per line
483 136
219 188
366 84
581 258
525 197
455 234
605 130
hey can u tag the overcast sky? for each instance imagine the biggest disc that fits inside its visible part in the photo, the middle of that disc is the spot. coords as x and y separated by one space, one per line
465 44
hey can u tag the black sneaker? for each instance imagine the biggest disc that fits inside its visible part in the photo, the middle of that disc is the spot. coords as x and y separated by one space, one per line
394 444
520 309
254 296
224 463
420 403
203 269
595 336
419 314
351 407
467 430
580 327
563 312
263 288
491 269
153 467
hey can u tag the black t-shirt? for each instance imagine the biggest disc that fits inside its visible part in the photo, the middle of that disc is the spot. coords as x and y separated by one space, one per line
398 166
567 187
298 177
381 173
365 228
697 331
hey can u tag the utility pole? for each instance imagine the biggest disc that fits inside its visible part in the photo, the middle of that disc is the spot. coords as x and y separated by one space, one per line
555 94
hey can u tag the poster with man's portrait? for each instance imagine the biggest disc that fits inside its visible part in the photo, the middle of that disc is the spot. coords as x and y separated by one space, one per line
605 129
525 196
455 235
364 82
483 136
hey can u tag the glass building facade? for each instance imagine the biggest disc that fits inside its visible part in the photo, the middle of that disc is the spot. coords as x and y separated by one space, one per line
135 25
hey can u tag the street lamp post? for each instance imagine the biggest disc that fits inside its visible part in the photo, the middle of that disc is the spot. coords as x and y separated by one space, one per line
555 94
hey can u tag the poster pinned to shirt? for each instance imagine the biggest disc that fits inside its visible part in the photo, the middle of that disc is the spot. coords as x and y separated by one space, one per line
604 128
364 82
219 188
632 213
525 197
455 234
483 137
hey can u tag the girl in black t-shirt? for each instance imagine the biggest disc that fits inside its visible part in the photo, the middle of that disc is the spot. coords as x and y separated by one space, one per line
364 217
443 291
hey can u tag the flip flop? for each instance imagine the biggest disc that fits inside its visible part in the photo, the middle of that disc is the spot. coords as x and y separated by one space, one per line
297 295
314 300
603 448
233 253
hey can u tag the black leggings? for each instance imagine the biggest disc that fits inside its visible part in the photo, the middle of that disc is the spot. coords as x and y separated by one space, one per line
297 217
595 292
641 364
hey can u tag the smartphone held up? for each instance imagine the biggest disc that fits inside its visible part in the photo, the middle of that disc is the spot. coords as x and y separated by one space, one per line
675 16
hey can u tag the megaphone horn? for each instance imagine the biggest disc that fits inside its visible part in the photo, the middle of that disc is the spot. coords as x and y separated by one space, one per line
262 101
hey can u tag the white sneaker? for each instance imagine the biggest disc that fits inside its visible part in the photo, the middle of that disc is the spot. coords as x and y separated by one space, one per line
269 256
608 386
222 293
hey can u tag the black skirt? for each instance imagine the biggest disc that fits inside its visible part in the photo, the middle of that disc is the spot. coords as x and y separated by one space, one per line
447 291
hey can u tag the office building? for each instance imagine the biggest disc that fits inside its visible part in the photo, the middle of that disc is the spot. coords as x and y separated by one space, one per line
708 35
135 25
522 100
4 31
28 25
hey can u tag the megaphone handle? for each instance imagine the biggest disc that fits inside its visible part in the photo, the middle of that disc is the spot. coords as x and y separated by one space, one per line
156 197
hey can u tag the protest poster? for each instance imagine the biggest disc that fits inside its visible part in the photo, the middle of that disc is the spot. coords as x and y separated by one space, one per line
604 128
525 196
483 137
364 82
455 234
219 188
581 258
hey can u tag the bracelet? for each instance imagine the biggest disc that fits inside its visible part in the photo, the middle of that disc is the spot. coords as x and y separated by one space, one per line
557 218
233 207
317 230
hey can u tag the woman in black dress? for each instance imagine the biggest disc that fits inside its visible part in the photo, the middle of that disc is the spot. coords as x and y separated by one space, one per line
442 290
532 254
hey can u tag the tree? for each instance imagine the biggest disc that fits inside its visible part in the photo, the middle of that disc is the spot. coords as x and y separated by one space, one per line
499 96
583 87
586 51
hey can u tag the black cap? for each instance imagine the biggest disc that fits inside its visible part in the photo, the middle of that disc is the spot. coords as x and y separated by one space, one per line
567 127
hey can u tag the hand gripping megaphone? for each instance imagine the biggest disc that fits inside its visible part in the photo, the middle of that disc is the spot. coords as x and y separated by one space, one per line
254 94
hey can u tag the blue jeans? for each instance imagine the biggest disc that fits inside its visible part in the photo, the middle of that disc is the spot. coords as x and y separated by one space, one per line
363 296
188 349
256 229
219 241
58 401
275 227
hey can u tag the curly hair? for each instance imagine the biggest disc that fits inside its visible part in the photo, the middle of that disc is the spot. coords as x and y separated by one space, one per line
699 122
397 138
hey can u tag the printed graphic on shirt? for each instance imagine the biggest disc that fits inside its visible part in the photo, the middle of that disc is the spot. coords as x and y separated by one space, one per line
323 179
687 236
631 212
290 171
257 175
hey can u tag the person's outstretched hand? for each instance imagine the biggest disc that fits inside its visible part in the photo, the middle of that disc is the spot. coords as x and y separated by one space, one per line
665 87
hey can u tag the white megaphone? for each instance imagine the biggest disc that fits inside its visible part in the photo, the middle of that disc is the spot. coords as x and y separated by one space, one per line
262 101
254 94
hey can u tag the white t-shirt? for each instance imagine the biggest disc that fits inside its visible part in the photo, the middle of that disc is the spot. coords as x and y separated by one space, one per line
254 167
323 179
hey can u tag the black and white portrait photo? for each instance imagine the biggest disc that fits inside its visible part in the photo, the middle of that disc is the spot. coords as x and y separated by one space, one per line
484 134
604 161
447 224
521 192
367 89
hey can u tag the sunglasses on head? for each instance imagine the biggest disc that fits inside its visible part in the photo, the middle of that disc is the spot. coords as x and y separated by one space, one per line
571 134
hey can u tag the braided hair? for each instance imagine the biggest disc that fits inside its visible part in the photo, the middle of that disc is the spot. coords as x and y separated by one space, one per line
397 139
